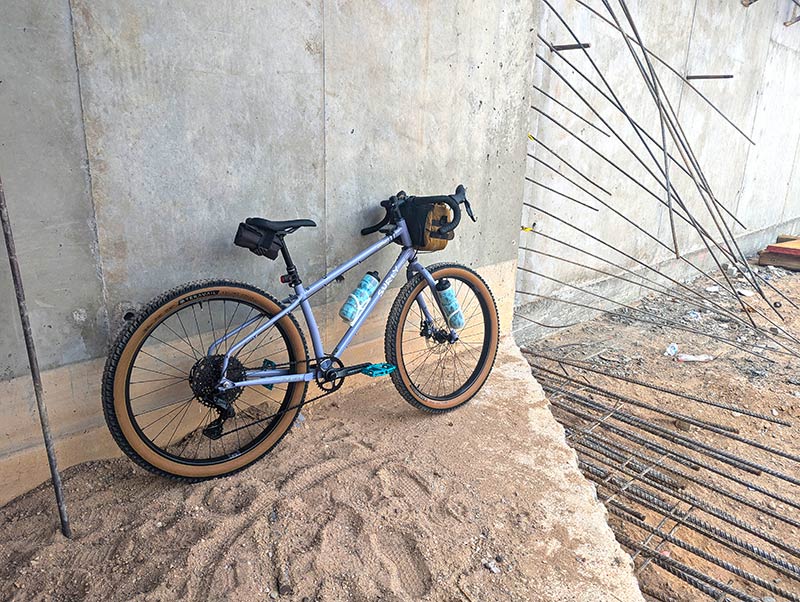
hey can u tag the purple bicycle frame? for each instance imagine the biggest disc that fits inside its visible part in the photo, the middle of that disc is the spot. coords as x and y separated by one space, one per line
300 299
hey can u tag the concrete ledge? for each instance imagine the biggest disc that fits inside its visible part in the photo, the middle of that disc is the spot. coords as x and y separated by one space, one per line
368 499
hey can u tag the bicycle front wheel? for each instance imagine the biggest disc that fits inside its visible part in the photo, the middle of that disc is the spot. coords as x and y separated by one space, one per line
435 373
159 386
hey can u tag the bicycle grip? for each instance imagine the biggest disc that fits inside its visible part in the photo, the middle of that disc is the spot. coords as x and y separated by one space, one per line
376 227
387 204
454 200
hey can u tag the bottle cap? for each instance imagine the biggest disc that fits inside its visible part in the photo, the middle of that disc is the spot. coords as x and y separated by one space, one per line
443 285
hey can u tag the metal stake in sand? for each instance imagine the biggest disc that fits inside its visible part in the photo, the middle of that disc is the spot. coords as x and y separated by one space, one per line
34 364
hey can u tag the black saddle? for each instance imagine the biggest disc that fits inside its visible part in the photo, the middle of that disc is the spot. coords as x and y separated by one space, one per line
265 237
284 227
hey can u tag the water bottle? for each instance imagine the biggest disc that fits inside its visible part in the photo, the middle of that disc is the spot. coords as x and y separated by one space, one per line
359 298
452 310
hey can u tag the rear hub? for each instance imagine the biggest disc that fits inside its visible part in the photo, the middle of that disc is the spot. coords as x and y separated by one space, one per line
204 379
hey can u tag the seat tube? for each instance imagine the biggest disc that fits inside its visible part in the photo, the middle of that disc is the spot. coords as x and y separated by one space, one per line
313 329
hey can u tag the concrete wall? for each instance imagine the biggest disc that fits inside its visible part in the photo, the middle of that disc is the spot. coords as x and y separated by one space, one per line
134 136
760 183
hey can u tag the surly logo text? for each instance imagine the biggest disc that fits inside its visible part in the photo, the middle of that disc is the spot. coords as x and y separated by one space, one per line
388 280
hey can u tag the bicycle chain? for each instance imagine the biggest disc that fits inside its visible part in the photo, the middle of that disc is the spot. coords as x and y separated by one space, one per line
337 384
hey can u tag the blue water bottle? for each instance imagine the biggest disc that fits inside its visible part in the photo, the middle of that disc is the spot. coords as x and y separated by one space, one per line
359 298
450 305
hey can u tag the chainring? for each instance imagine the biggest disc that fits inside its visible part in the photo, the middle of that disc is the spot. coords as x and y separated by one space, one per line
324 378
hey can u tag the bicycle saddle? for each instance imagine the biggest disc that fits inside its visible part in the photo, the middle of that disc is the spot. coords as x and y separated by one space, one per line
287 226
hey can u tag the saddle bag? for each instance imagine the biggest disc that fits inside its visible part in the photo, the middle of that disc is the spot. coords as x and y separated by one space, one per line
423 221
261 241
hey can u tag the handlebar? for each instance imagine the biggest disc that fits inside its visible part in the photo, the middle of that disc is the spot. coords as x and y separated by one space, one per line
392 205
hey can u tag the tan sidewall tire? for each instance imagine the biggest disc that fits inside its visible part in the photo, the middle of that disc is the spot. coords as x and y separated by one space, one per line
140 447
493 322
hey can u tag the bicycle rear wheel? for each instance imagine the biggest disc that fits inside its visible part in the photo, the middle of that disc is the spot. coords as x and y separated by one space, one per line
159 383
433 373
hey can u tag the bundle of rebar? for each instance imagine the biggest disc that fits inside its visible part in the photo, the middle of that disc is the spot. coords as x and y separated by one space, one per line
699 504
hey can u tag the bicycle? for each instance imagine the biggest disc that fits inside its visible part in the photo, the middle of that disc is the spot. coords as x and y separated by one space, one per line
210 403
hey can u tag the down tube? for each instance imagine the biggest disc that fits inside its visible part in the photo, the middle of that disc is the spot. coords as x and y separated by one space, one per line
404 257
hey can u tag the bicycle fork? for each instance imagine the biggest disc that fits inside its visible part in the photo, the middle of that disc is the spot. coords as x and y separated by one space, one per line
415 266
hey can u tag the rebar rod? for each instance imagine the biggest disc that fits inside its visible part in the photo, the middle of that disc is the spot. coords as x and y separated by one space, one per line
731 568
623 508
559 193
725 76
665 561
33 363
565 107
680 458
664 321
674 436
656 504
673 70
606 448
634 381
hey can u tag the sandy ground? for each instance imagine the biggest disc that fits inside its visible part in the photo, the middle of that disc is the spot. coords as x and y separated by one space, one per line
761 382
369 499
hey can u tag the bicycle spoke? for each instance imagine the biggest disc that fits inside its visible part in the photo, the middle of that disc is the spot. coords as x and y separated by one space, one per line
188 338
156 390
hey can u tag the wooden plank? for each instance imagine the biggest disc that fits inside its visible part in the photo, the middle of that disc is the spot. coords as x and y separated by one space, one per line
786 238
791 247
780 260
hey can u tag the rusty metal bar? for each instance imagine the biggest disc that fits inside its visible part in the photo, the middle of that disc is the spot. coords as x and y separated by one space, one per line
33 363
634 381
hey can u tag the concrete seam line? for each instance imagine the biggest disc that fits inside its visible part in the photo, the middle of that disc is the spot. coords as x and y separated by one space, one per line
98 256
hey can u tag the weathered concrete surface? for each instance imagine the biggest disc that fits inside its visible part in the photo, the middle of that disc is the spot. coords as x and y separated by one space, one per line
43 166
758 182
577 543
198 114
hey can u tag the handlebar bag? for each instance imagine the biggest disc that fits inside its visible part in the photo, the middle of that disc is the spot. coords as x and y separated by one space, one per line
423 221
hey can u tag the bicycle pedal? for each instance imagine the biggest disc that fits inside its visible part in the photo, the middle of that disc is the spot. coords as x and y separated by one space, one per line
376 370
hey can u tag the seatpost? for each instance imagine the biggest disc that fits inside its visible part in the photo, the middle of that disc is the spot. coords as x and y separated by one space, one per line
292 278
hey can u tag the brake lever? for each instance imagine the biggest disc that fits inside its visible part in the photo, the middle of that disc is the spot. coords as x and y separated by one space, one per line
469 211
